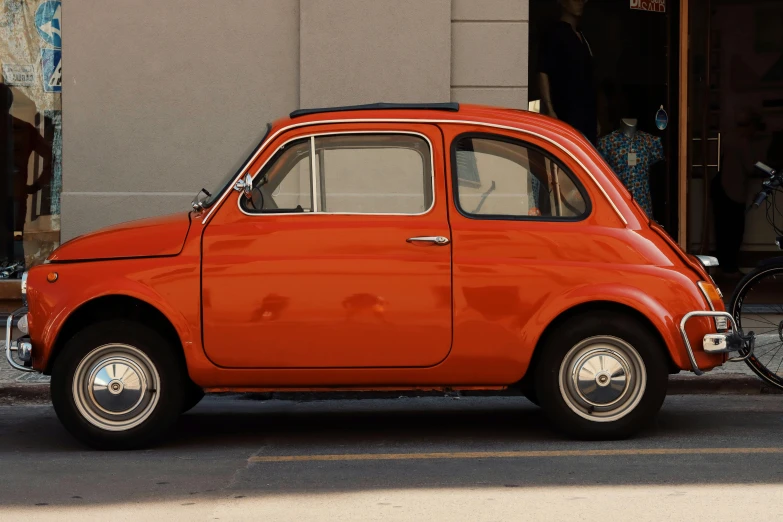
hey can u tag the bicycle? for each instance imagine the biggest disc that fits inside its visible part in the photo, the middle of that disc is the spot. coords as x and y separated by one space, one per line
753 303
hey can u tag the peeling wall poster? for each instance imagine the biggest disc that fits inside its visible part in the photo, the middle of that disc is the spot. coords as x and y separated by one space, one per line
47 21
27 28
656 6
52 70
18 75
31 127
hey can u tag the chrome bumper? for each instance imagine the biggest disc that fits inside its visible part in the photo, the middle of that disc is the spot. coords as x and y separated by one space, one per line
722 342
22 346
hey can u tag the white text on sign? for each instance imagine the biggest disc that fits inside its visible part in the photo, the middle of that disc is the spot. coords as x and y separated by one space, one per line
657 6
18 75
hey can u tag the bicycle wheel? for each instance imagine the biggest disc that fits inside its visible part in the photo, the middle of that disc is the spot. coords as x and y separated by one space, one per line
757 306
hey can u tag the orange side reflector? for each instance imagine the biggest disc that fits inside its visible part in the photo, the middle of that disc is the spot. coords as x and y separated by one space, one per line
712 293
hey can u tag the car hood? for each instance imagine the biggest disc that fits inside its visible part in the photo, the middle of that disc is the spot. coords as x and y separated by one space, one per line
159 236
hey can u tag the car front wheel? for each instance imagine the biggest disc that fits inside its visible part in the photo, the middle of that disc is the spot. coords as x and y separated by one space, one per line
117 385
602 376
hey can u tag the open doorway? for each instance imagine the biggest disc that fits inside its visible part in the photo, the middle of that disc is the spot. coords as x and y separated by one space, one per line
635 67
735 118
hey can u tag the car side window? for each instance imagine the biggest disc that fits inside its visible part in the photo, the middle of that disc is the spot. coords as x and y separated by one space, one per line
373 174
285 183
354 174
501 178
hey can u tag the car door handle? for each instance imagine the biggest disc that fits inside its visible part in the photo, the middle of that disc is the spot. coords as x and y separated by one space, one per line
437 240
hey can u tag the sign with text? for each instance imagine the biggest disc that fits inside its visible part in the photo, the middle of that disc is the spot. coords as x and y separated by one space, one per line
656 6
52 70
19 75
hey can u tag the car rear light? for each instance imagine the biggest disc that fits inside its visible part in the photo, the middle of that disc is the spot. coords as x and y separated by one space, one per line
715 300
721 323
711 292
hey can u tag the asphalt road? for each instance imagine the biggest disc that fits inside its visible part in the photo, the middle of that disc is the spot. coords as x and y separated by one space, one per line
474 459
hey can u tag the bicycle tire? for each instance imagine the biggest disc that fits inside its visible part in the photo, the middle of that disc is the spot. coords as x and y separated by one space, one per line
767 358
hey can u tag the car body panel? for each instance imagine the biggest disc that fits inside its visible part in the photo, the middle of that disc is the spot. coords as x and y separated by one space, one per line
304 290
150 237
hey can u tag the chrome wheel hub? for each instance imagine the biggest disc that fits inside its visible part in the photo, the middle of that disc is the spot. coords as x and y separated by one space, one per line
602 378
115 387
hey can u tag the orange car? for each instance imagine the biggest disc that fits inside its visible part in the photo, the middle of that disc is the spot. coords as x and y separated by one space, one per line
380 247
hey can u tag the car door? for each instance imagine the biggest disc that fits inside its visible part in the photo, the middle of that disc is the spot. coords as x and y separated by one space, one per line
340 259
519 211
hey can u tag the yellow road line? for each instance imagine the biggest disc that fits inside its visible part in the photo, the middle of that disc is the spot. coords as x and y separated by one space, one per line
516 454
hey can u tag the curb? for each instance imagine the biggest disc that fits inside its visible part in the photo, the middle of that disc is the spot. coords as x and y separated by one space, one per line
726 384
735 384
24 392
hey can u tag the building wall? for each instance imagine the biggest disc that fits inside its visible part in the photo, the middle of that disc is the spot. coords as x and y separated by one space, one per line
489 52
162 98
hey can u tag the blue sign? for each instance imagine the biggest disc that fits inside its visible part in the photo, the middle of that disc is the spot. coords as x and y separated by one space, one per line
661 119
47 21
52 70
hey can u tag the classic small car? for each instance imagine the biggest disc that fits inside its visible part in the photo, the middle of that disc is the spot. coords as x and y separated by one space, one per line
380 247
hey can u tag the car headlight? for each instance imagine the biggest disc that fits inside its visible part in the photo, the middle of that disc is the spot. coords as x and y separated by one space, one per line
23 326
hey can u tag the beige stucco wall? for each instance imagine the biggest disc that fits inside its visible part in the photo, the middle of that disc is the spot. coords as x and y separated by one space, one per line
161 98
489 40
360 51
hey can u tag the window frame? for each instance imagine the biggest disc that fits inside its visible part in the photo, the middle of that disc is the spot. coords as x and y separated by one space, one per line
529 146
273 159
315 195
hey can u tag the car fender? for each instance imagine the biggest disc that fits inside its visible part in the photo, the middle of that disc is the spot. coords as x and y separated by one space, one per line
73 297
662 318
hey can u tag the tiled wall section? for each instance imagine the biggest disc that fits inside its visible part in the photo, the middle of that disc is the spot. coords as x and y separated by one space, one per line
489 52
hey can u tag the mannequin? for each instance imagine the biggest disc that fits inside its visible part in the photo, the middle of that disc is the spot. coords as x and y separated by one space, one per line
566 72
629 127
631 153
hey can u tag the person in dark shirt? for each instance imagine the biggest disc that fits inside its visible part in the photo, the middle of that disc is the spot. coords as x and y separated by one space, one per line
566 78
729 189
18 141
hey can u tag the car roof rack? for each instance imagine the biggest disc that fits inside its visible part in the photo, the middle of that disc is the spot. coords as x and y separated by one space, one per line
448 106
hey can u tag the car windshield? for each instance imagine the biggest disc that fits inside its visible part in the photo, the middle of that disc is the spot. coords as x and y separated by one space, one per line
221 187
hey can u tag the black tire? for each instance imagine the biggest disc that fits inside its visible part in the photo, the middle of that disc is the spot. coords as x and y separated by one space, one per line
149 373
580 343
193 396
766 359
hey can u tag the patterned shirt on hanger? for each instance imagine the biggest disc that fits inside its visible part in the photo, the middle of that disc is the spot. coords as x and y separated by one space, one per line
631 159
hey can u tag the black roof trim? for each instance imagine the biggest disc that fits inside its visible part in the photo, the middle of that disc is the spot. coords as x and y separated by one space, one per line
448 106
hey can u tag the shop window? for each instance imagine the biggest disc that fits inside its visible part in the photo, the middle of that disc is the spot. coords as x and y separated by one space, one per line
30 133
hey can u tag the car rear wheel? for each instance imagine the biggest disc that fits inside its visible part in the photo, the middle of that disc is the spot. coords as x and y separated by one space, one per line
117 385
602 376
